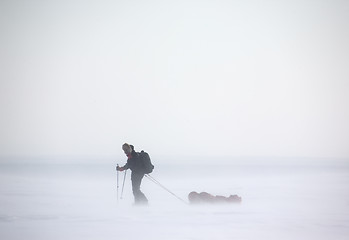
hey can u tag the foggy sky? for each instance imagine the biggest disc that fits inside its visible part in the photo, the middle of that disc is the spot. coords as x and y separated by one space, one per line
214 78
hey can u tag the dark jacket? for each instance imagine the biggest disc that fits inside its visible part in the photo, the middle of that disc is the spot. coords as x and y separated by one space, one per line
135 163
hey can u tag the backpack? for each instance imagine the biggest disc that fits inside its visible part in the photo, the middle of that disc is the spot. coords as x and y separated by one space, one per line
147 165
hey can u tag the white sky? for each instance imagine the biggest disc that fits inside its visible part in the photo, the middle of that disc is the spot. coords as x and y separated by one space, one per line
237 78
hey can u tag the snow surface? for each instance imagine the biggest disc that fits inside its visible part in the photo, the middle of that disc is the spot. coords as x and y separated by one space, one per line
279 201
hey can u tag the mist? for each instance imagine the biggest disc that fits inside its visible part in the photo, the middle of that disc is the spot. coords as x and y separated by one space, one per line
227 97
204 78
67 201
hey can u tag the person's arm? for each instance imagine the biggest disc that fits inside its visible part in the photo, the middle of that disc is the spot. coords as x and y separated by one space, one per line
125 167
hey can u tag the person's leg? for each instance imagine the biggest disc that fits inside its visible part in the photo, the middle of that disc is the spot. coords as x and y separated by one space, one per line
136 185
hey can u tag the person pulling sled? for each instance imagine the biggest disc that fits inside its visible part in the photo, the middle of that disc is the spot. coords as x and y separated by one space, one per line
140 164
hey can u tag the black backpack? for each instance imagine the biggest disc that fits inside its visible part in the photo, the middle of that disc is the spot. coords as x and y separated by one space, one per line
147 165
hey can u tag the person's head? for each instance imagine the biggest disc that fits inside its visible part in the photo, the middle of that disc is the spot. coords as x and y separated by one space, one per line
127 148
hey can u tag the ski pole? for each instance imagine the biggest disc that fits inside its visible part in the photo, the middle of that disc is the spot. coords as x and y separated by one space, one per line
117 183
123 184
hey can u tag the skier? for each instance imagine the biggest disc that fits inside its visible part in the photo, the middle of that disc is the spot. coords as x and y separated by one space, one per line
136 164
